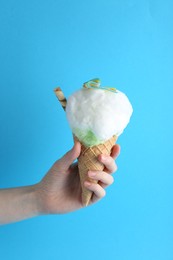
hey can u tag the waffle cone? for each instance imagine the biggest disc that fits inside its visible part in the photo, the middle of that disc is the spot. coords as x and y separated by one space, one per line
88 161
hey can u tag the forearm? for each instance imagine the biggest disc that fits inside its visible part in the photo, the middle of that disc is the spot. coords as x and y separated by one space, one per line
18 203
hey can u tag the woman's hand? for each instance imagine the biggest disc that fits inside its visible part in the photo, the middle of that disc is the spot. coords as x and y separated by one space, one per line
60 190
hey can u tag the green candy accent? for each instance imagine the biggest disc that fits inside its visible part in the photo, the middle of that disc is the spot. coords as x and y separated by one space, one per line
96 84
87 137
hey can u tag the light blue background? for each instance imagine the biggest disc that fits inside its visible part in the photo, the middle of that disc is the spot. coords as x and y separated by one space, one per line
128 44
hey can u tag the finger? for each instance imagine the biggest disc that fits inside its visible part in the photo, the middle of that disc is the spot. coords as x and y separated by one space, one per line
96 188
115 151
101 176
94 198
71 155
108 162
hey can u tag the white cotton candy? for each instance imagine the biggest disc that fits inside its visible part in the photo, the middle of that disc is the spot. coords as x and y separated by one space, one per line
103 112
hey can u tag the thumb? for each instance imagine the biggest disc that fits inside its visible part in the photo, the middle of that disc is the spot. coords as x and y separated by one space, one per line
71 155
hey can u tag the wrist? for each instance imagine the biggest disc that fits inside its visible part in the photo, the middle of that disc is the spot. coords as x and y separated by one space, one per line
37 200
42 200
33 200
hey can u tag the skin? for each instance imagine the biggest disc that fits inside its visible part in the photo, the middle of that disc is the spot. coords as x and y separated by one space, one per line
59 191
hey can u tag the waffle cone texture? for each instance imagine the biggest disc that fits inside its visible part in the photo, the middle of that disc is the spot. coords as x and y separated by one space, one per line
88 161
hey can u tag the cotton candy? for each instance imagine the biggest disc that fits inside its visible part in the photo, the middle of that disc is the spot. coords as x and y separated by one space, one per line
95 115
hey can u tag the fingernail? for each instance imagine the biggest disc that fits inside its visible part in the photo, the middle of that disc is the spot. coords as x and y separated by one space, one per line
92 174
103 157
